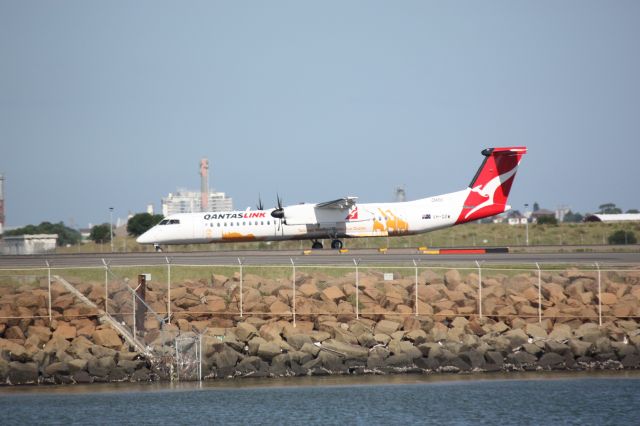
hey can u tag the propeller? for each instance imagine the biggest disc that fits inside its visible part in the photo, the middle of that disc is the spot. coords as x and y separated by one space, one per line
278 212
260 206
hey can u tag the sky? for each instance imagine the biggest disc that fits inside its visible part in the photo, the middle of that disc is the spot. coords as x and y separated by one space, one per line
113 103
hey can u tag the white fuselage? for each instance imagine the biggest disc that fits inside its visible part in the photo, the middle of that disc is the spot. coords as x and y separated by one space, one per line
305 221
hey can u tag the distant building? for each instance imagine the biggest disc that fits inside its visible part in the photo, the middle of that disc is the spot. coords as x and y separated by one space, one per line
184 201
622 217
561 212
537 214
29 244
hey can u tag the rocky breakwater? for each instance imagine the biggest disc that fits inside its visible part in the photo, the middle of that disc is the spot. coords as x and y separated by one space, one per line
448 335
73 348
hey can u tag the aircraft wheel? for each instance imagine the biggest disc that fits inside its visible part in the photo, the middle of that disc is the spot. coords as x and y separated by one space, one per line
317 245
158 248
336 244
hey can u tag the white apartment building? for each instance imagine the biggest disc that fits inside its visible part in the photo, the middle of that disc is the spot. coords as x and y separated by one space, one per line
184 201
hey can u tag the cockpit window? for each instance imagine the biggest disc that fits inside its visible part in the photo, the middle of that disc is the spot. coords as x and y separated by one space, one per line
174 222
164 222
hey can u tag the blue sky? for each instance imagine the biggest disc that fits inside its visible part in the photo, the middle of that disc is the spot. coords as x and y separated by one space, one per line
113 103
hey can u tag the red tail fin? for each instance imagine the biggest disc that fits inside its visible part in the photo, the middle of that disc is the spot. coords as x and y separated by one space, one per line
491 185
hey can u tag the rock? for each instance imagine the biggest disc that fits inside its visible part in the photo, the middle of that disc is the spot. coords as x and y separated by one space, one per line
268 350
310 349
556 347
298 340
81 376
65 331
22 373
452 278
551 360
106 337
101 367
13 351
331 362
416 336
130 366
308 290
367 340
57 368
398 360
245 331
383 339
43 334
224 356
516 337
102 352
333 294
428 364
77 365
521 358
57 345
386 327
609 299
499 327
579 348
348 350
560 332
631 361
535 331
474 359
532 349
495 359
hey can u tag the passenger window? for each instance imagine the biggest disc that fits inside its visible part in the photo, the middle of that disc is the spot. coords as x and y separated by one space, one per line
244 223
225 224
218 224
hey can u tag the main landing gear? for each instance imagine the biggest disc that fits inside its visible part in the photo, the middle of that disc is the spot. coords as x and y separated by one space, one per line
335 244
158 248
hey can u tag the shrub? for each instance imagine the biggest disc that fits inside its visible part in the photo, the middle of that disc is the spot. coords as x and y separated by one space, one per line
622 237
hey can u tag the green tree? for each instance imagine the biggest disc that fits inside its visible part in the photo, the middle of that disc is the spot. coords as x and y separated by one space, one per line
141 223
609 208
536 206
572 217
633 211
547 220
622 237
66 235
100 233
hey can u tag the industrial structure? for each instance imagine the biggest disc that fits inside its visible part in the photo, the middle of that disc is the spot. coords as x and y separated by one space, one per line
185 201
1 203
28 244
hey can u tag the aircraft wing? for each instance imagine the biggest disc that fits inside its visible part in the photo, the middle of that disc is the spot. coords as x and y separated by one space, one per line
340 203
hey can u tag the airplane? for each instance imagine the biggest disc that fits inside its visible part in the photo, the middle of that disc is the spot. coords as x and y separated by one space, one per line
344 217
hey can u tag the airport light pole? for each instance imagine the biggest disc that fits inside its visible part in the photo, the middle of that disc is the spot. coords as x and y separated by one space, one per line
526 224
111 227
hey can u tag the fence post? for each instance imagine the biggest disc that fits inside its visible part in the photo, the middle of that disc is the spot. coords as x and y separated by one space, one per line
49 281
168 289
479 289
133 304
599 296
106 286
357 290
241 308
416 266
539 294
293 279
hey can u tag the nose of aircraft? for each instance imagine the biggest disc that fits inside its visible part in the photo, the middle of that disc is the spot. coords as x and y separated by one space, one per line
145 238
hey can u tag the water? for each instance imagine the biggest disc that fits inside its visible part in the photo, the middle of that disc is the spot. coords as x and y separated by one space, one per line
494 399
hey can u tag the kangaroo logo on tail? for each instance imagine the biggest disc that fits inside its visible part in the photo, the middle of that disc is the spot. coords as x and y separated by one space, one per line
489 190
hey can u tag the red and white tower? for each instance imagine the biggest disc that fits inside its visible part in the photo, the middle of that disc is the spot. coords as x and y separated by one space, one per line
1 203
204 185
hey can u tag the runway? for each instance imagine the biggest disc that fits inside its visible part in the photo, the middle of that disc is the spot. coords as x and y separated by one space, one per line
394 257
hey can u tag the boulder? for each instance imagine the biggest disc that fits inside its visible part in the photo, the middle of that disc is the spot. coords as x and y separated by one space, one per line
245 331
22 373
535 331
551 360
560 332
386 327
106 337
347 350
516 337
298 340
224 356
57 368
333 293
474 359
13 351
268 350
521 359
